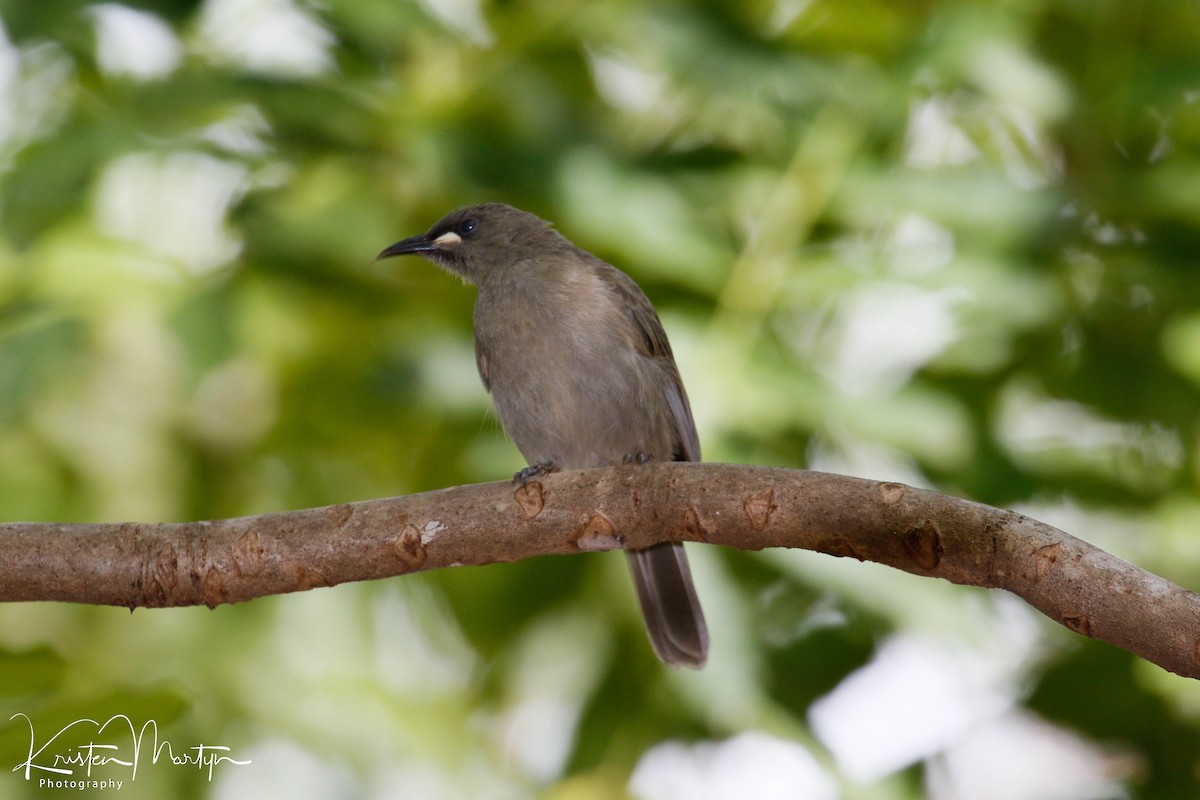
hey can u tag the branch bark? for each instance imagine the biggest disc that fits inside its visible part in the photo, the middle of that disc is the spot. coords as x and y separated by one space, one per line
226 561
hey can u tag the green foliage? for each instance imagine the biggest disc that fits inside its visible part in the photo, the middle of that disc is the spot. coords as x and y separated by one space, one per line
949 243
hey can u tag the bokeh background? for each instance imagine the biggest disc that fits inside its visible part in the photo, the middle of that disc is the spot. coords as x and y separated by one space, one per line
946 243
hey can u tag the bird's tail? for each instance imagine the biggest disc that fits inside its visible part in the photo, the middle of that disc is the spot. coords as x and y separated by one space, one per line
669 605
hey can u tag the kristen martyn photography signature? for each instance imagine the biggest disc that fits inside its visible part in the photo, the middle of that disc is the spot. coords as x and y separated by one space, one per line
88 754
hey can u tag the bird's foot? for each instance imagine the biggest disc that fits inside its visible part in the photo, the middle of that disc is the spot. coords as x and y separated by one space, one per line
638 458
533 471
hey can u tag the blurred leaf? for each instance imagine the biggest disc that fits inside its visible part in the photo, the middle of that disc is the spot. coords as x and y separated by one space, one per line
947 243
30 672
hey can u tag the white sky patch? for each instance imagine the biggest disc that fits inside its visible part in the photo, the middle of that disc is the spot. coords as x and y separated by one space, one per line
271 37
910 245
842 453
175 205
419 648
885 332
918 246
33 82
1054 763
10 61
1029 422
1030 157
556 666
1013 78
244 131
1014 130
625 85
934 139
134 43
282 768
464 16
751 764
785 13
914 699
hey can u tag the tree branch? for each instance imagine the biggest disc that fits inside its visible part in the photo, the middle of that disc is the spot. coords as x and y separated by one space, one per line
227 561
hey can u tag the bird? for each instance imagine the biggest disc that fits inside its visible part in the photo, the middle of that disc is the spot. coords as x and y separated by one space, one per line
581 375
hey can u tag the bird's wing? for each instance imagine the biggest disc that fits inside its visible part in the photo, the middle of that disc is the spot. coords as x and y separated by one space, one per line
482 363
681 412
644 333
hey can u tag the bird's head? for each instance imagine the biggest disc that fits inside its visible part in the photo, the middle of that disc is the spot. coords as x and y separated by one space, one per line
481 240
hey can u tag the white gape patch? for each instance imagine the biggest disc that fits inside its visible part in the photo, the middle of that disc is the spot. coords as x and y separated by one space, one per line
448 239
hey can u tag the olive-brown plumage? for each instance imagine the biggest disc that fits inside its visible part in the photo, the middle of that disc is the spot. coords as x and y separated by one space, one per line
581 375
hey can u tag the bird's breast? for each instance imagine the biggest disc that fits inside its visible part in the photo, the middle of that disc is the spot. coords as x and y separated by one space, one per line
567 386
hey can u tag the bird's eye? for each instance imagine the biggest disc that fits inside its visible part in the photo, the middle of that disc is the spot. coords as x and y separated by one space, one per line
467 226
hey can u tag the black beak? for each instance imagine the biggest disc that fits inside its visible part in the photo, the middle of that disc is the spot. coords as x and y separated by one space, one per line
413 244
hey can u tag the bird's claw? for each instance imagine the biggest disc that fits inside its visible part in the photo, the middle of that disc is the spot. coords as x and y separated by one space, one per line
523 476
